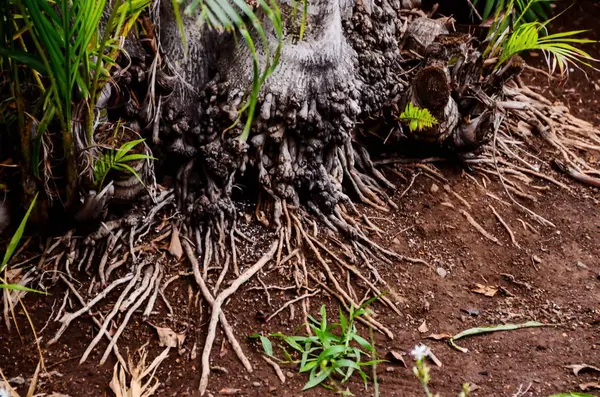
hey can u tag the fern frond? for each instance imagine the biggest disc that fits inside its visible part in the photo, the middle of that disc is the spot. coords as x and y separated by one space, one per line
417 118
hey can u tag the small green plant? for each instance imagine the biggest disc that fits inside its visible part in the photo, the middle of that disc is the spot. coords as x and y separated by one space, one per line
116 160
334 353
511 36
422 371
417 118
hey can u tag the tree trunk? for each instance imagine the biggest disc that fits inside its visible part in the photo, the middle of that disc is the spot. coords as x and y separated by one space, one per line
357 61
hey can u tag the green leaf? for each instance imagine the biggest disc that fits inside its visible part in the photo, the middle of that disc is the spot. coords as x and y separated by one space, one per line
16 287
343 321
293 344
179 21
572 394
308 366
25 58
345 363
136 156
16 238
332 351
315 380
126 148
363 343
323 318
494 328
267 345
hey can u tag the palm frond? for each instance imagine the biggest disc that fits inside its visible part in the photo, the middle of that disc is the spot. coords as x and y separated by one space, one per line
558 47
510 37
532 10
116 160
417 118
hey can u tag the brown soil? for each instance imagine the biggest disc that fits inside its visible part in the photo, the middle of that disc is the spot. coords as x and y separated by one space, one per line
561 288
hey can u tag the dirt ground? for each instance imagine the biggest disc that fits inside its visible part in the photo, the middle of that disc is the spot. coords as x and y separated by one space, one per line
553 276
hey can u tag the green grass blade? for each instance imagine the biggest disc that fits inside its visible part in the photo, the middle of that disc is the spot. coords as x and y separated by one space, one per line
316 380
179 22
134 157
25 58
489 6
572 394
16 238
16 287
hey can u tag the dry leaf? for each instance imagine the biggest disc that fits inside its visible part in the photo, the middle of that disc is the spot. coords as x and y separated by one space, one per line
138 384
423 327
169 338
175 248
577 368
486 290
439 336
396 357
588 386
229 391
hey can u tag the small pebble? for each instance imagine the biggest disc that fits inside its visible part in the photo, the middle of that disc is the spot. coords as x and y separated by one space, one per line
441 272
256 384
471 312
289 374
434 188
581 265
537 259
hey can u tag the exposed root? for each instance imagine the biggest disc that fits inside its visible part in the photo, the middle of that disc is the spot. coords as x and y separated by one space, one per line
108 319
290 302
311 164
154 271
67 318
508 229
138 386
276 367
479 228
209 298
216 311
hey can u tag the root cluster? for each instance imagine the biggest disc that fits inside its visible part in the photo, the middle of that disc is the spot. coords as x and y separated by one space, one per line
311 163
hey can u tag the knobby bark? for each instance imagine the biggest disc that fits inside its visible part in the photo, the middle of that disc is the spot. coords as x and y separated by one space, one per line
357 61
